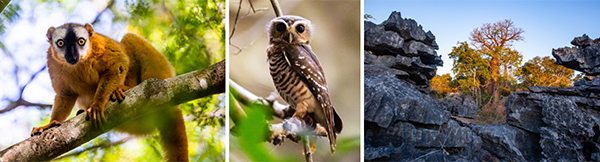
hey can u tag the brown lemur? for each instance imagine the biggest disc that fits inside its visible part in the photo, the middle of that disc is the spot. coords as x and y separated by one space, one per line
90 69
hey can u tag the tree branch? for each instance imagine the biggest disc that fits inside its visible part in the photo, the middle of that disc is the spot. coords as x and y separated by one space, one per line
108 6
104 144
21 101
3 4
276 8
150 96
290 128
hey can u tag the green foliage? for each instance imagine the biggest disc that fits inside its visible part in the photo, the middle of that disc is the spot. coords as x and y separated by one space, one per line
510 61
189 33
369 16
347 145
249 137
252 131
543 72
8 16
470 68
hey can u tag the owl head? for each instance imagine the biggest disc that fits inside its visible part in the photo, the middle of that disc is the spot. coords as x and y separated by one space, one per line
291 29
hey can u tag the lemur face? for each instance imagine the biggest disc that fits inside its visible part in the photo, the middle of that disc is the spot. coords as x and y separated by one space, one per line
70 41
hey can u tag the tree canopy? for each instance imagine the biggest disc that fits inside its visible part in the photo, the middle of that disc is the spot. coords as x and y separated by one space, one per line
494 41
541 71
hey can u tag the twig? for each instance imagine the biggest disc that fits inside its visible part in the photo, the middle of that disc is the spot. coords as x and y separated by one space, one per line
110 4
21 101
31 79
255 11
251 6
237 15
240 49
276 8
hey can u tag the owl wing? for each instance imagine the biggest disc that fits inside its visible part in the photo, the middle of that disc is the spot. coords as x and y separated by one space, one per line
305 62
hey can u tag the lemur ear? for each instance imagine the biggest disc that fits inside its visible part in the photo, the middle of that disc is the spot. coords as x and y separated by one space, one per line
49 33
89 28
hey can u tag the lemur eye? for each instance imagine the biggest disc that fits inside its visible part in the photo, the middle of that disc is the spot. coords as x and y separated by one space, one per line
60 43
281 27
81 41
300 28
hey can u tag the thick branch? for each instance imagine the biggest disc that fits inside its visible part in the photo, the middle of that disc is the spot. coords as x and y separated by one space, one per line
150 96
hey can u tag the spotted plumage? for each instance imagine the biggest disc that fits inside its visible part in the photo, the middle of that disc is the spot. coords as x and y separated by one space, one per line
298 76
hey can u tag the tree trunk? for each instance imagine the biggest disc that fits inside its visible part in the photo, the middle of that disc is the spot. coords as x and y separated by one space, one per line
494 82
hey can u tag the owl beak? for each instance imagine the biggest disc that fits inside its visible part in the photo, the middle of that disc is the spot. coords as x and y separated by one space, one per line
290 38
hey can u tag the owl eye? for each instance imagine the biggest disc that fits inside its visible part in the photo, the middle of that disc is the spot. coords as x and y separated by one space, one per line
60 43
281 27
300 28
81 41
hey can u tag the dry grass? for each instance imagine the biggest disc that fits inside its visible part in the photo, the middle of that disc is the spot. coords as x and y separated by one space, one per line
493 113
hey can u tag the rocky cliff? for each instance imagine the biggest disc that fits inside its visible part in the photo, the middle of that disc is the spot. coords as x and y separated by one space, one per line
401 47
402 122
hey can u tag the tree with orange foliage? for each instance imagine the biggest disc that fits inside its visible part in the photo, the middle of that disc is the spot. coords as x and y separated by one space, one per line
443 85
494 41
543 72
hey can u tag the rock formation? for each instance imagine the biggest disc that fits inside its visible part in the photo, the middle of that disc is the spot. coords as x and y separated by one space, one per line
402 122
585 57
402 46
567 120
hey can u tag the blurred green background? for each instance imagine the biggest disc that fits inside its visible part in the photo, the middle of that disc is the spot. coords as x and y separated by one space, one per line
336 42
189 33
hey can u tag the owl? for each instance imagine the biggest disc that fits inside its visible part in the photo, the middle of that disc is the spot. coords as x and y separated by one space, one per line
298 76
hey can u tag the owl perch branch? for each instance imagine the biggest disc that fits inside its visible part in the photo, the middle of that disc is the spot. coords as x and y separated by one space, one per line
151 95
289 128
276 8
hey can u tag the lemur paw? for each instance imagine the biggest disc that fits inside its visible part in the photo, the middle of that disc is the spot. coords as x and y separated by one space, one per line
39 130
96 114
119 94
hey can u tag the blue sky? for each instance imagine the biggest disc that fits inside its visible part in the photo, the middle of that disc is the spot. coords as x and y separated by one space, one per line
547 24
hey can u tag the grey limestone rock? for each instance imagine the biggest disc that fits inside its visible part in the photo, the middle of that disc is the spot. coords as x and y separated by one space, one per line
585 57
414 49
404 123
